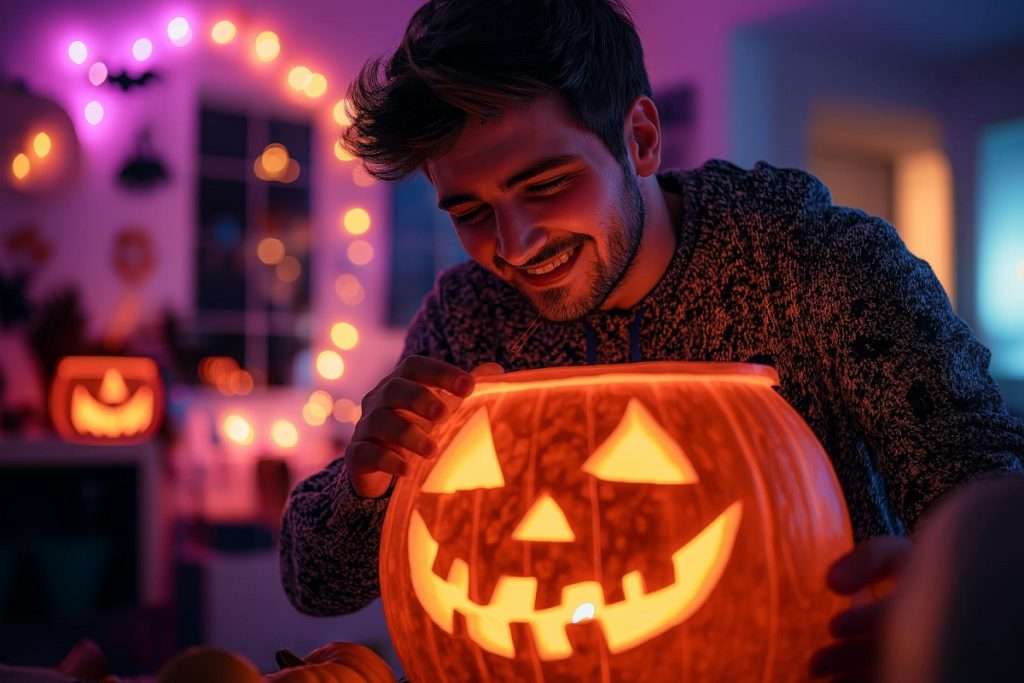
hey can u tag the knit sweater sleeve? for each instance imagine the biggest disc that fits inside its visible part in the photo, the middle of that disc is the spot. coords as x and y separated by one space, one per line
330 536
909 370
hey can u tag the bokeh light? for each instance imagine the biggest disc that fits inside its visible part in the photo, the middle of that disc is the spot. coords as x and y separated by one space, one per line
223 32
98 73
20 166
270 251
344 335
361 177
289 269
340 113
356 221
78 52
142 49
317 86
318 407
360 252
330 365
1020 270
347 410
240 383
267 46
42 144
179 31
349 289
341 153
299 77
284 433
238 429
94 112
314 415
321 399
274 159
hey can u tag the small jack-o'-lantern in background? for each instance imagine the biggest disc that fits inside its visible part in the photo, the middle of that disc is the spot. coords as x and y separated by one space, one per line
646 522
106 399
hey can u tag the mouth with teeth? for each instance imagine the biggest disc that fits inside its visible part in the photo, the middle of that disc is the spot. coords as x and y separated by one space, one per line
554 268
641 615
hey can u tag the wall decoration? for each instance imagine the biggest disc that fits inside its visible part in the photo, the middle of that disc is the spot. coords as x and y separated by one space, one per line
144 170
134 259
649 522
39 149
106 399
127 82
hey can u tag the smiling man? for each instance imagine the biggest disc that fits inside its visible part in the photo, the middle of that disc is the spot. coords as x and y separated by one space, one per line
533 119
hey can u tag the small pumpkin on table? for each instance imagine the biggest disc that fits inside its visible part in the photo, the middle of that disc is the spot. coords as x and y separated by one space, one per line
333 663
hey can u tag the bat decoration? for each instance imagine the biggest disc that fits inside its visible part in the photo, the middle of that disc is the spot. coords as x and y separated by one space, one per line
126 82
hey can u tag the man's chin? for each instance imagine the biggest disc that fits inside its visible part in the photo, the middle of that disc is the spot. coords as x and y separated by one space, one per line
559 305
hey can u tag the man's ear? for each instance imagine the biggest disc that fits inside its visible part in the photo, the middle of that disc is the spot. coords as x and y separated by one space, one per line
643 136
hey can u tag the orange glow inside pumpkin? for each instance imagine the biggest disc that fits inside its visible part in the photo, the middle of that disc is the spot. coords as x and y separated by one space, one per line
638 450
113 413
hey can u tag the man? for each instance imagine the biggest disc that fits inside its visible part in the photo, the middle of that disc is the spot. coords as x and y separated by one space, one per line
533 119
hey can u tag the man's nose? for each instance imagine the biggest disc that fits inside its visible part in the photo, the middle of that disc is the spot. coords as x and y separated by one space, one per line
518 238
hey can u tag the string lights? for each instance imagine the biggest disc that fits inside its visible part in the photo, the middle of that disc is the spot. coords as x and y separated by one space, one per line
274 164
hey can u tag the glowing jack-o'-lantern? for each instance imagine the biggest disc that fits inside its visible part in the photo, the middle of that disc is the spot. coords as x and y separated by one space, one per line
643 522
106 399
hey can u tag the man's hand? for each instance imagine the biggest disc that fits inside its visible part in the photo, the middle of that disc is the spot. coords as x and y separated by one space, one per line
399 415
866 573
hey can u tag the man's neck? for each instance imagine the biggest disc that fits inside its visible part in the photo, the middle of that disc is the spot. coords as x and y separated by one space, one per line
657 246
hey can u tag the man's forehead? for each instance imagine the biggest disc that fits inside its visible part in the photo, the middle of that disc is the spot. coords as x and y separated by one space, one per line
499 146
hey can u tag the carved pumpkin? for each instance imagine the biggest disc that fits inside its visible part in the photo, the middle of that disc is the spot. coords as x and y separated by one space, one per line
645 522
101 399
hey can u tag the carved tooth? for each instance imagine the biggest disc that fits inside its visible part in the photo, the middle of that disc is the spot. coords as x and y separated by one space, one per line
493 635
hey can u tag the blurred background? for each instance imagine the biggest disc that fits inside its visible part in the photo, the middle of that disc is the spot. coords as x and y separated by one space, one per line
197 284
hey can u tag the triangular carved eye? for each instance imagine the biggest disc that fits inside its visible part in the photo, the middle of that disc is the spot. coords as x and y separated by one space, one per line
640 451
469 462
544 521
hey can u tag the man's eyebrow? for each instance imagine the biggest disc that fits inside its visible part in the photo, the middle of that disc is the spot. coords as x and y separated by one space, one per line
517 178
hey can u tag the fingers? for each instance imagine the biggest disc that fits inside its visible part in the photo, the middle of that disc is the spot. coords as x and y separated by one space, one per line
386 427
860 621
401 393
874 560
435 373
366 456
851 660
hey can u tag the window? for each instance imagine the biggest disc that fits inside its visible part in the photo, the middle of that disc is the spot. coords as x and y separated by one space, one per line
1001 247
423 241
252 286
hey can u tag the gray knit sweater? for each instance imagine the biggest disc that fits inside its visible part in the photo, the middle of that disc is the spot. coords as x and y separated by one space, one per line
868 350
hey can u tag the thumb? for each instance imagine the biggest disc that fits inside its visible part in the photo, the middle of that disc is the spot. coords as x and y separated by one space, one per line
485 369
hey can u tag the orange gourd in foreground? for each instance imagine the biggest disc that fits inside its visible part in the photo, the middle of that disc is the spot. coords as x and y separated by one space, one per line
643 522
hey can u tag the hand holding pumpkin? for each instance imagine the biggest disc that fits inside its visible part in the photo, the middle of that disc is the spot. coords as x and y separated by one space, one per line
867 573
399 415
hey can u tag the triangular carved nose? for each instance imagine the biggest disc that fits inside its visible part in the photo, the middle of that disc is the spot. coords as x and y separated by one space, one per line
544 521
113 390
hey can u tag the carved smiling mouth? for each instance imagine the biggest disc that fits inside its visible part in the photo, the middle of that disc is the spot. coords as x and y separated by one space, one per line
698 566
89 416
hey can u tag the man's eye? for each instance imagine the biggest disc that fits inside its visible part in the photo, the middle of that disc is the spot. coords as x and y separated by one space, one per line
468 216
550 186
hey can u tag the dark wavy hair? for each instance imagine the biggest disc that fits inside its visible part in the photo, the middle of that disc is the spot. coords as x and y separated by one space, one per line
475 58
